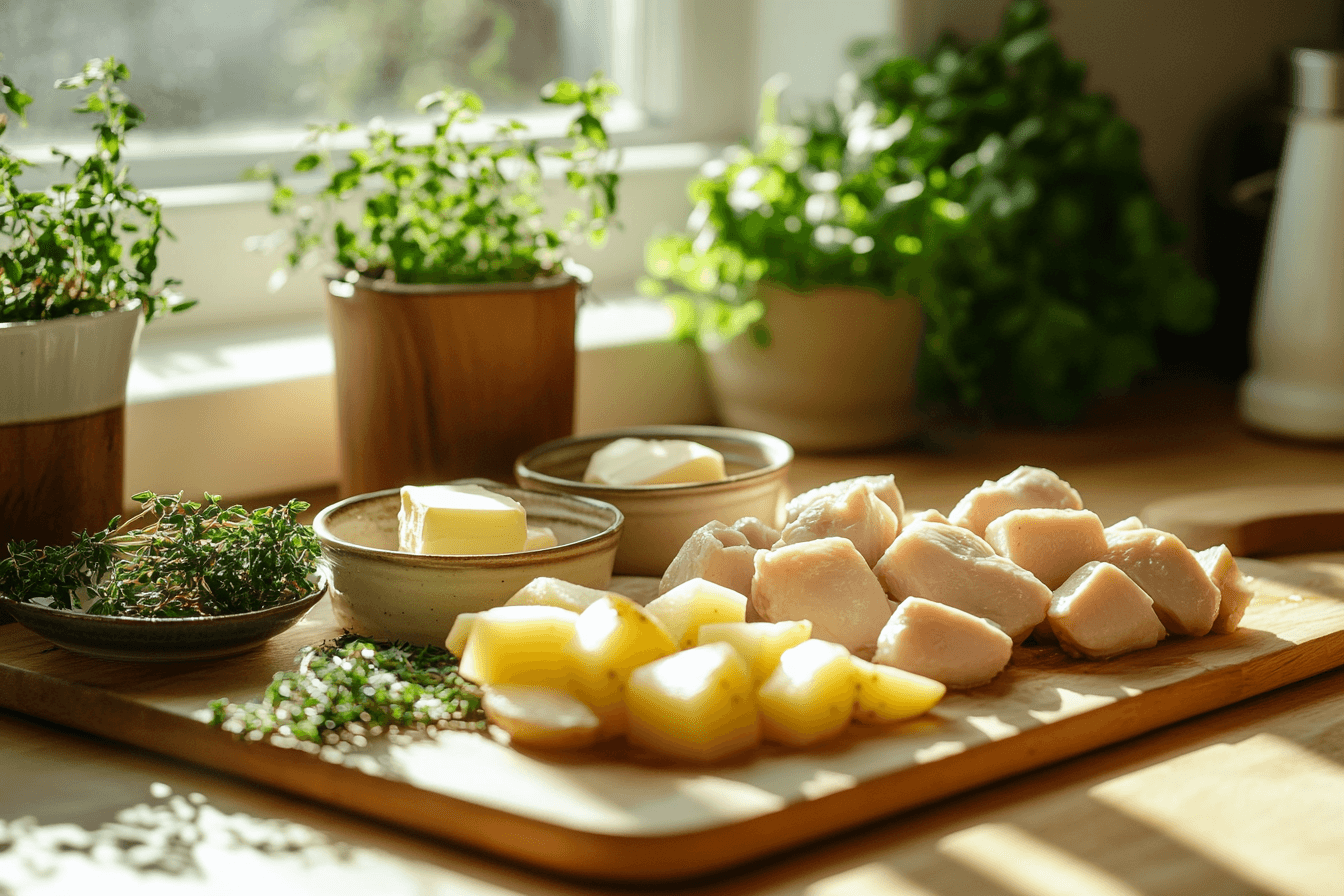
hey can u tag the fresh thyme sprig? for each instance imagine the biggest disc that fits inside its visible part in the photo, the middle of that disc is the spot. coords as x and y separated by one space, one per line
175 558
90 243
354 688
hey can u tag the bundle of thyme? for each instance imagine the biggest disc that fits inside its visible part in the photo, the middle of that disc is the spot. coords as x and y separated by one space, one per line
175 558
353 688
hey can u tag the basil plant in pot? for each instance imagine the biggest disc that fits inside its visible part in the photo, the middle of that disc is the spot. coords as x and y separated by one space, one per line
451 299
78 266
985 182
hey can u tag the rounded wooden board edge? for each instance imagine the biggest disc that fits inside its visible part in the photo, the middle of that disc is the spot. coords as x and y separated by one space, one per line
1255 521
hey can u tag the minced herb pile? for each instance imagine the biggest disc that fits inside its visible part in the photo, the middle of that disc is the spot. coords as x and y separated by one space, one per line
175 558
354 688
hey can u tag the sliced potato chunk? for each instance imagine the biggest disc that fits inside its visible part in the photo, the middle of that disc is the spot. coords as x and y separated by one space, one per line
696 705
612 638
540 717
545 591
457 635
519 645
758 643
692 604
810 695
887 694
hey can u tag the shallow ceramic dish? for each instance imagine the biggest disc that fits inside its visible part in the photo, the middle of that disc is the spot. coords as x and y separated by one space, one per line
659 518
380 592
183 639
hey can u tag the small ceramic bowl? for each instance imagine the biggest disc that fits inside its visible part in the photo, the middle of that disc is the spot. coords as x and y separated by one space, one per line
380 592
659 518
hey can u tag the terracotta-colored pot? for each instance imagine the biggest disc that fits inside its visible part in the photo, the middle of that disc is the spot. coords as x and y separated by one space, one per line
62 423
838 373
444 382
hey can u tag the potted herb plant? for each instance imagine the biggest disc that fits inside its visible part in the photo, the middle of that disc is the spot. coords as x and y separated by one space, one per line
451 303
981 180
78 266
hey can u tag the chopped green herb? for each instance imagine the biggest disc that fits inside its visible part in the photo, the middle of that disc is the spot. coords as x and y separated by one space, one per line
353 688
188 559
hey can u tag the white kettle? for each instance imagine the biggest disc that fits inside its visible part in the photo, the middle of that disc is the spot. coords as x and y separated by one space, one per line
1296 384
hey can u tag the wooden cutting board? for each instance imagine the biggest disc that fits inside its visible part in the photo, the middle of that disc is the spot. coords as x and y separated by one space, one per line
609 814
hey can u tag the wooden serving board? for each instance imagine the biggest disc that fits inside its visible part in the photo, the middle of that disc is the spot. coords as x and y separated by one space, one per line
614 815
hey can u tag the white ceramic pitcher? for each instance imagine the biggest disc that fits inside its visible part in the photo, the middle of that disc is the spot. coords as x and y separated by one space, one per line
1296 383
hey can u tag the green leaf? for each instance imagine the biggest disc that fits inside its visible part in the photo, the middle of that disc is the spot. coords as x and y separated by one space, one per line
563 92
308 162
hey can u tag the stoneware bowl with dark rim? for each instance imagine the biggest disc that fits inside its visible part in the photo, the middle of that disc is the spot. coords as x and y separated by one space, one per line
659 518
380 592
190 638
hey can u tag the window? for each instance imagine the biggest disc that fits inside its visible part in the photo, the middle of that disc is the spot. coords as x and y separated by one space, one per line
227 84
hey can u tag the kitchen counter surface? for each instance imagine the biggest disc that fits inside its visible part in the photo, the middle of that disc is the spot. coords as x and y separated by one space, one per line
1242 800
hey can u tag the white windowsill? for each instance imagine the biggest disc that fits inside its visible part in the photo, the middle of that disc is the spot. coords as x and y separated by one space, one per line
252 410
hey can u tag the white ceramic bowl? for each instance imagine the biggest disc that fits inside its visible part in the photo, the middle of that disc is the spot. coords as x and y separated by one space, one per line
380 592
659 518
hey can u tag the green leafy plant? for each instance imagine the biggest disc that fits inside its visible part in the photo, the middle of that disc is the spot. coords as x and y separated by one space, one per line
985 182
174 558
451 210
354 688
91 243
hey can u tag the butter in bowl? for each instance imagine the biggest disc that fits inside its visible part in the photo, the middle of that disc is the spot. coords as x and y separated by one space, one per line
403 563
665 493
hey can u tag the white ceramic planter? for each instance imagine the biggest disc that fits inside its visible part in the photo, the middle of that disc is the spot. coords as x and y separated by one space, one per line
62 413
837 375
68 367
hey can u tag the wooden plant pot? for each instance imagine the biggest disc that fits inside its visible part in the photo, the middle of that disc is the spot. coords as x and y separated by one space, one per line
444 382
838 374
62 422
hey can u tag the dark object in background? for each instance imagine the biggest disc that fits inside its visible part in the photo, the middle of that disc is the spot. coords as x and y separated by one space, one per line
1240 168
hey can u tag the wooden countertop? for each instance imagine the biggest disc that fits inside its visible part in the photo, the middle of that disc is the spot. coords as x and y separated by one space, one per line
1242 800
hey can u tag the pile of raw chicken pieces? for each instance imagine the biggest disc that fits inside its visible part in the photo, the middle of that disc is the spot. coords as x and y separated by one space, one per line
948 597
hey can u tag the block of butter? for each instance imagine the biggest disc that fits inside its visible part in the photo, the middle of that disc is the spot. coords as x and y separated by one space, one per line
539 537
654 462
459 519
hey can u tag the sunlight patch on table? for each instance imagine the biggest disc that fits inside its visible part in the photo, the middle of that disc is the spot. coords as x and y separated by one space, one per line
1266 808
873 879
1024 864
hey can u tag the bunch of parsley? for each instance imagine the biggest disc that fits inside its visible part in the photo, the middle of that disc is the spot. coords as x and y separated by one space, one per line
985 182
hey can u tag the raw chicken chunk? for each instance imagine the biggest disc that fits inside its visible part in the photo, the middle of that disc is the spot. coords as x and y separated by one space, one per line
925 516
883 486
1022 489
758 534
954 566
1234 591
1099 612
716 552
1185 598
856 513
943 643
828 582
1048 543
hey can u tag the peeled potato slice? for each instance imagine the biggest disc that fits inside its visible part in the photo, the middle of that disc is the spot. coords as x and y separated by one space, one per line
695 705
759 643
810 695
519 645
685 608
612 638
887 694
540 717
545 591
457 635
